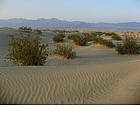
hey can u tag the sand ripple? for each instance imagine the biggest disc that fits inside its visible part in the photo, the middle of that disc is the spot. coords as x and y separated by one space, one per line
117 83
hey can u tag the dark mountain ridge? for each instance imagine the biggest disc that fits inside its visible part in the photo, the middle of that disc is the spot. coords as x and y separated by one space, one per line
54 23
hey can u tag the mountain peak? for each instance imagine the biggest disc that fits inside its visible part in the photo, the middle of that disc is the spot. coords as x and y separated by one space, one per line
54 19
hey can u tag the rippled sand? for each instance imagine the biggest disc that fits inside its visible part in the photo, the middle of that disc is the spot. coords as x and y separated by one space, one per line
96 76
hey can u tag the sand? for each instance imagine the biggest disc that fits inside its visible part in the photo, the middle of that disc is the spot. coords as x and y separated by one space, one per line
94 84
96 76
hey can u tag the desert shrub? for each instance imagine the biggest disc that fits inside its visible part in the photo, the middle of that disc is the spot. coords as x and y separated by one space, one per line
65 31
62 35
116 37
109 34
61 31
79 40
98 33
64 51
59 38
26 50
25 29
105 42
95 34
75 31
73 36
10 36
129 46
39 32
88 37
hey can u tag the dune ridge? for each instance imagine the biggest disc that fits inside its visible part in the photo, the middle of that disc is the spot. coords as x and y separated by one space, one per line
116 83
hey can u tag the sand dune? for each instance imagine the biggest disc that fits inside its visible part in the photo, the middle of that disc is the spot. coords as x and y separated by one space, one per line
117 83
96 76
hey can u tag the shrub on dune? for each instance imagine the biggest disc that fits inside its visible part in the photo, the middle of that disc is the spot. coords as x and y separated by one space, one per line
59 38
25 29
88 37
79 40
116 37
64 51
26 50
109 34
39 32
105 42
129 46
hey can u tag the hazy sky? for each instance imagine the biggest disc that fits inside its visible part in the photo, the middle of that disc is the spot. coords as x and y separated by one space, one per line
81 10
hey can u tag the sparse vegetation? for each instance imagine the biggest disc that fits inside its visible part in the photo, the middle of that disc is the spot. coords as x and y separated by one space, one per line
25 29
59 38
65 31
105 42
98 33
39 32
129 46
26 50
116 37
88 37
109 34
79 40
64 51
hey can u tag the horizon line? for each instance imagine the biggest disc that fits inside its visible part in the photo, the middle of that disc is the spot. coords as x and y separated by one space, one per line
69 20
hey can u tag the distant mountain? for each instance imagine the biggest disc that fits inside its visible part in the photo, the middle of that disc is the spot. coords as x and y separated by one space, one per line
62 24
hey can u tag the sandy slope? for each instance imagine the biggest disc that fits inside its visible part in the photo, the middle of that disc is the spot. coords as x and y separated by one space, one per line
117 83
96 76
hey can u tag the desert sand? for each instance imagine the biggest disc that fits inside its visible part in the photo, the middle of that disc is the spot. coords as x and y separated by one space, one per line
96 76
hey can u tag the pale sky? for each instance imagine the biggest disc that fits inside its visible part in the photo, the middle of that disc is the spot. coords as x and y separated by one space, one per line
73 10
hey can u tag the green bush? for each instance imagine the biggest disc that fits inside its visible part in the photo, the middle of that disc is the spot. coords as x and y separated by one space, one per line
98 33
79 40
129 46
26 50
39 32
109 34
73 36
61 31
88 37
116 37
65 31
59 38
64 51
62 35
105 42
25 29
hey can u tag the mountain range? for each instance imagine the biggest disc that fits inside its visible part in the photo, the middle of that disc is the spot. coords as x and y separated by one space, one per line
54 23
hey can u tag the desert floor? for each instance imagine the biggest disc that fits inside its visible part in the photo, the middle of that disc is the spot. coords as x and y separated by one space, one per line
96 76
